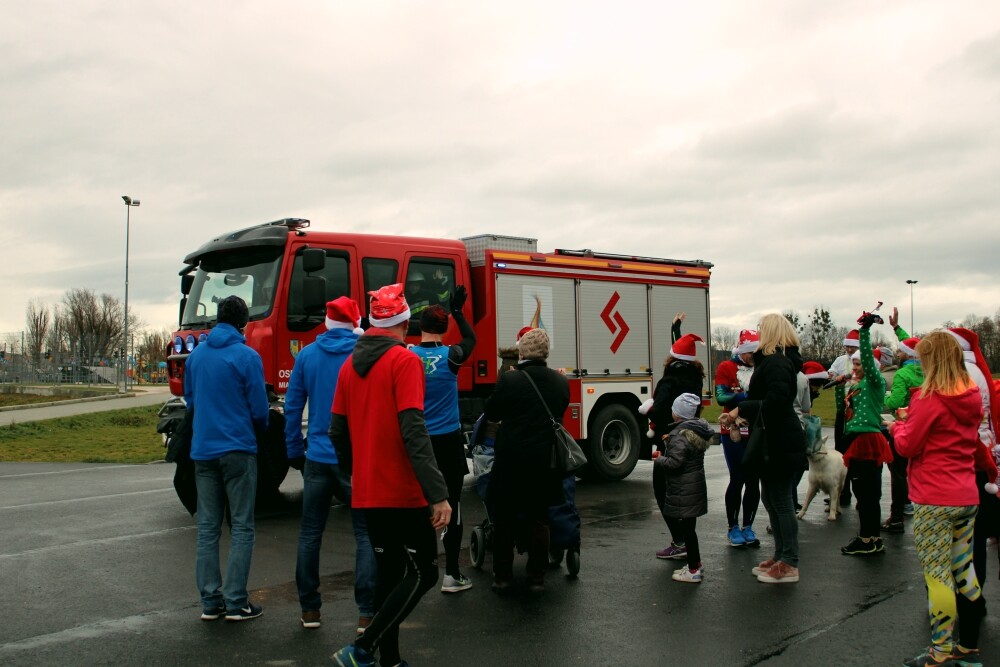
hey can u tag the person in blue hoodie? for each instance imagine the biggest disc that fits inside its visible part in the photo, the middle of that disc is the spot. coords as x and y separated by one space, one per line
314 379
224 386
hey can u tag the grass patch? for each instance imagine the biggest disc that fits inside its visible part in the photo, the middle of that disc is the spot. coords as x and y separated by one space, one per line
824 407
116 436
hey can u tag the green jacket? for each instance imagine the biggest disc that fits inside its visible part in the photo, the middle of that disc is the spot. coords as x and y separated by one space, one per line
868 395
910 375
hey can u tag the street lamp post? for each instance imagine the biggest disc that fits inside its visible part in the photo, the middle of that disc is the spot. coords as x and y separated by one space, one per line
911 283
129 203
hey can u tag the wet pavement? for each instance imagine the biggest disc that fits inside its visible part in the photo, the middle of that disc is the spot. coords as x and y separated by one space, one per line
97 568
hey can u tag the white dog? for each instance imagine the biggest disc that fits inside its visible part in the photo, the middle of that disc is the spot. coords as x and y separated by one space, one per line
827 472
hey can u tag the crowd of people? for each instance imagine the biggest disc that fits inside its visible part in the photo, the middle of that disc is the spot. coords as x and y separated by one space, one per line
927 409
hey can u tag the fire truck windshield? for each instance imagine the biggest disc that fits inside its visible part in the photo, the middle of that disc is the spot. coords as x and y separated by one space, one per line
249 273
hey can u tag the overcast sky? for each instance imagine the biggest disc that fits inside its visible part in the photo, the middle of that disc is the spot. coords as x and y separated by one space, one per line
819 154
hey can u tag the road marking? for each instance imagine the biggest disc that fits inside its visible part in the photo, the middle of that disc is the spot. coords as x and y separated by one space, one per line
65 472
89 631
77 500
104 540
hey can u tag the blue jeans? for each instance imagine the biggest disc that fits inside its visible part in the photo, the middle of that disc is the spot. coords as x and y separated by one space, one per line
231 477
323 481
777 497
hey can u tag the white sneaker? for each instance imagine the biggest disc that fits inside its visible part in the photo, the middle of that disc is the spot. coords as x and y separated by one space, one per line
457 584
687 576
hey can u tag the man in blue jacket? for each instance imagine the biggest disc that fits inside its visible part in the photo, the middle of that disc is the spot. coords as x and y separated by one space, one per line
314 378
224 385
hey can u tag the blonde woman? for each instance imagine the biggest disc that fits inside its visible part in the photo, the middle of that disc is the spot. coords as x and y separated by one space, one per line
771 395
940 437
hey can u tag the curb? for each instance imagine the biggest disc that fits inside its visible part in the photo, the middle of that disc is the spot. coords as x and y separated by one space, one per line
69 401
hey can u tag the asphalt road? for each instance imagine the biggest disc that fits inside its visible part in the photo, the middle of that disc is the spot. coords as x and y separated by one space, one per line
97 568
148 395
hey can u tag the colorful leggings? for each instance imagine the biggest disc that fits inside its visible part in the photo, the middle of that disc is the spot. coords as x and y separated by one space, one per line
943 536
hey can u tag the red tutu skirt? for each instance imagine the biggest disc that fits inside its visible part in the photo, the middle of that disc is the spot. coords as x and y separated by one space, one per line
868 447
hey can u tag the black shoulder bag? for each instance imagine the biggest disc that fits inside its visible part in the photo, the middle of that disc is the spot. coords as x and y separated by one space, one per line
567 457
756 456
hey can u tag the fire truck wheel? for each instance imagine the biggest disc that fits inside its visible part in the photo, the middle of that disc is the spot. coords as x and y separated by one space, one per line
613 445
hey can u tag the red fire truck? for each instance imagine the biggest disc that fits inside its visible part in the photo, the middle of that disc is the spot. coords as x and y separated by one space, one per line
608 317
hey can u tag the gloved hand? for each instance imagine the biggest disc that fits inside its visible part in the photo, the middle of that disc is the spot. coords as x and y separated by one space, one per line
868 319
298 463
458 298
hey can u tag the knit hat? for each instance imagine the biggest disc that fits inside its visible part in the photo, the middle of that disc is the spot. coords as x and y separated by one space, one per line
434 320
534 344
909 347
852 339
813 370
749 340
523 331
343 313
684 347
233 310
886 355
388 306
686 406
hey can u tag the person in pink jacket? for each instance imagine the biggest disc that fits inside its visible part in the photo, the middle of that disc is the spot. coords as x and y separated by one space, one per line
940 437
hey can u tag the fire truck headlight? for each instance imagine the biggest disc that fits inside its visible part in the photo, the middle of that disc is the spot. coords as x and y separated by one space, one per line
202 338
178 345
189 343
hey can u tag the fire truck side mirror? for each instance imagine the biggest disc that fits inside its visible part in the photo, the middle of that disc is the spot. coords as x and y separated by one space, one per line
313 259
187 281
313 293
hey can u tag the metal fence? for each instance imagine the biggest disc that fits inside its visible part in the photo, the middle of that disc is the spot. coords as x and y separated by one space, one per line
20 366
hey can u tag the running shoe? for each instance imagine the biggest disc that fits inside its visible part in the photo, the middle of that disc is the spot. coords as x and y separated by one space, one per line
213 614
246 613
966 657
736 538
455 584
763 567
687 575
750 537
908 509
892 526
310 619
353 656
931 658
673 552
859 547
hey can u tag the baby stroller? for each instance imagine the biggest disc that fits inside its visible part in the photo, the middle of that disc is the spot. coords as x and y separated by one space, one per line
564 521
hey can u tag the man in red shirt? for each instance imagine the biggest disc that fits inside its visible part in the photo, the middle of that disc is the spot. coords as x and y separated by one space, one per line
378 429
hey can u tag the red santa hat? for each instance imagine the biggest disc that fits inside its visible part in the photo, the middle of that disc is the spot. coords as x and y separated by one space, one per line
523 331
388 306
684 348
749 340
813 370
343 313
909 347
853 339
969 341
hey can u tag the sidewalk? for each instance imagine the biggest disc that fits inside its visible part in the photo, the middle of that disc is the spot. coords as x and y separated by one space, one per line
147 395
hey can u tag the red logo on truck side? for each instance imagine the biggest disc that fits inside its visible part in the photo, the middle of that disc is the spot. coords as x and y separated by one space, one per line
615 323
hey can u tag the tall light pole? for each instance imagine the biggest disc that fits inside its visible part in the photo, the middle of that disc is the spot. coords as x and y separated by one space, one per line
911 283
129 203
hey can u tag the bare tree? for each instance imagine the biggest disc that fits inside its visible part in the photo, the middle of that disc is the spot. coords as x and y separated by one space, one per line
38 319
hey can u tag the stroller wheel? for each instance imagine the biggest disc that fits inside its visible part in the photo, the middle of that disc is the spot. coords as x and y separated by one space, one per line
556 556
477 547
573 561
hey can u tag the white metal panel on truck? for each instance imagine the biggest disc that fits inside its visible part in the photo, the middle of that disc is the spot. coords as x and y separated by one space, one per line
614 329
664 303
546 303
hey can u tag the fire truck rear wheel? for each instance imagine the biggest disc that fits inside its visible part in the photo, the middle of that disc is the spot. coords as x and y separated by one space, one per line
613 445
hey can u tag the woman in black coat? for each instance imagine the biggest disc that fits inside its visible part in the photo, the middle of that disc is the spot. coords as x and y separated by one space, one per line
771 395
522 484
682 374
